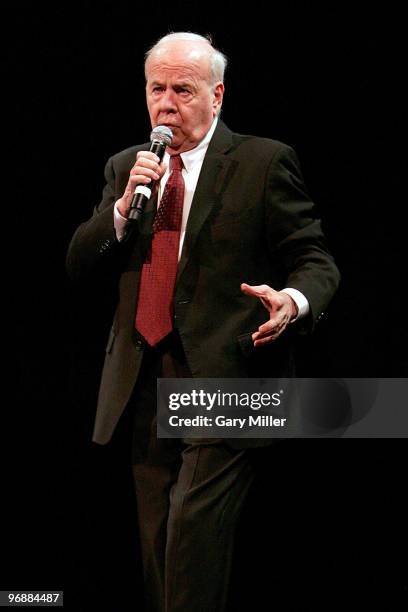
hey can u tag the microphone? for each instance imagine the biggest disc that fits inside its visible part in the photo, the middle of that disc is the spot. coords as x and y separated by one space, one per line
160 138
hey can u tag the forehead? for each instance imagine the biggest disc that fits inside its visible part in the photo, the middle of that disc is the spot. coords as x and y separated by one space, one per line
179 61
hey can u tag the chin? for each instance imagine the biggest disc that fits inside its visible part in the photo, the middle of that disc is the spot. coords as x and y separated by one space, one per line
176 143
174 150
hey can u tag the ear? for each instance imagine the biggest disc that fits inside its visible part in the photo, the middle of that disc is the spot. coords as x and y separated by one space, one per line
218 94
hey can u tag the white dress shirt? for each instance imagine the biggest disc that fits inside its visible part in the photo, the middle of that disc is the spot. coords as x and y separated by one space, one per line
192 161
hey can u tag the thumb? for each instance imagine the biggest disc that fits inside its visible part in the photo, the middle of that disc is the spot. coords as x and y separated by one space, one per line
255 290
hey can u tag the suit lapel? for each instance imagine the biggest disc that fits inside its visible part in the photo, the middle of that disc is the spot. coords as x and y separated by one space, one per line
214 173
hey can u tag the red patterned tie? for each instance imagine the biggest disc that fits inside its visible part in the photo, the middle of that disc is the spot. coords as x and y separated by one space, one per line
154 313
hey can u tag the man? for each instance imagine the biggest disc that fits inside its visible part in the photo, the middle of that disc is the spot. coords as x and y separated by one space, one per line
252 271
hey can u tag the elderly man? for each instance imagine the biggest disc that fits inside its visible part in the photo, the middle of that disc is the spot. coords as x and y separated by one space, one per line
250 269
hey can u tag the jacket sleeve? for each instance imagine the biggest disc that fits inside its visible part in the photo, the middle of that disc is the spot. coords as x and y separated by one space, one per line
94 246
295 237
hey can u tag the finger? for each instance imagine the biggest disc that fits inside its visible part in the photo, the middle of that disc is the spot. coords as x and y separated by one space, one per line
153 173
147 155
140 168
145 164
273 333
267 340
144 177
258 335
273 323
274 329
151 163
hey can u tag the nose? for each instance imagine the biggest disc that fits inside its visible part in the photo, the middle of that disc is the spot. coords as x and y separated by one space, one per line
168 101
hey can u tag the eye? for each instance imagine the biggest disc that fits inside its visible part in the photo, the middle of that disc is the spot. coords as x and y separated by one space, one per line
184 92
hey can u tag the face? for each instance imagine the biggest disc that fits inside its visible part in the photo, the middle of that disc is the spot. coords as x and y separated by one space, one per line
180 94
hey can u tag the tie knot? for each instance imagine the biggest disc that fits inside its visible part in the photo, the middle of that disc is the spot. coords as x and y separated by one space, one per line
176 163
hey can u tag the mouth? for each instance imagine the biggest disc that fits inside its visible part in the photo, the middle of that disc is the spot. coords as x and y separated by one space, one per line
170 125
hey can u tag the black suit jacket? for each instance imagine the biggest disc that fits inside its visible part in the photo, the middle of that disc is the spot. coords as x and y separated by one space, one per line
251 221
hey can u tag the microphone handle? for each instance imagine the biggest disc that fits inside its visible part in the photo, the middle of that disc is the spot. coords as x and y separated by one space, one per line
143 192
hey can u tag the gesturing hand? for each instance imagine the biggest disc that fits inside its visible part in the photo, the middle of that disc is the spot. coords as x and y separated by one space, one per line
281 307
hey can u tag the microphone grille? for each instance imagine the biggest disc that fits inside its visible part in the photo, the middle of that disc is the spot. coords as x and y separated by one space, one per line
163 134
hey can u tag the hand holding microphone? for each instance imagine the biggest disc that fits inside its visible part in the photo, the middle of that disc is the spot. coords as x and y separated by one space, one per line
144 175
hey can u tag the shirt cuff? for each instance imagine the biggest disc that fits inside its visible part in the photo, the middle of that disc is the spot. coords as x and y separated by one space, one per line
119 222
300 301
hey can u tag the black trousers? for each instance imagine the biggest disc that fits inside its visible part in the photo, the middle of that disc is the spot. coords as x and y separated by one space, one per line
189 497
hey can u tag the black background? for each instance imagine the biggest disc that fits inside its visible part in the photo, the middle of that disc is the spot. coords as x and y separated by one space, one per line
327 81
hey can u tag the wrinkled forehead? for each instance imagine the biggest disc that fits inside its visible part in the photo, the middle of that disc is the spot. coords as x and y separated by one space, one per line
181 56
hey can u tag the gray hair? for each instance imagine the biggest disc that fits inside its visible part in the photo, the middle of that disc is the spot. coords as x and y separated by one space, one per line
218 61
